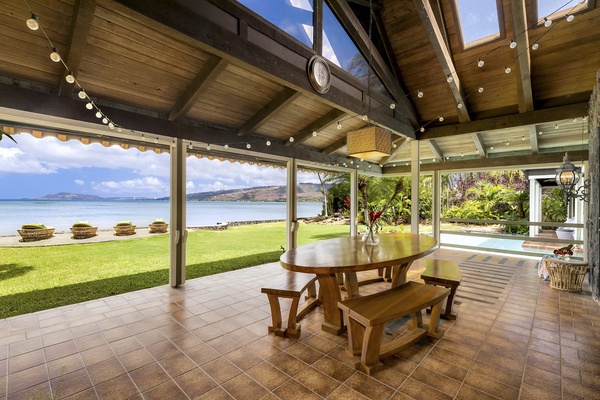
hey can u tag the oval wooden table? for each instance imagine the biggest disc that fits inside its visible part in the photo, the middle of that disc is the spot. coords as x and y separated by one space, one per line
349 255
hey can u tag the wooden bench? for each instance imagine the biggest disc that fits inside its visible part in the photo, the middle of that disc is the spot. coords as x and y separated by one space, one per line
291 286
366 317
444 273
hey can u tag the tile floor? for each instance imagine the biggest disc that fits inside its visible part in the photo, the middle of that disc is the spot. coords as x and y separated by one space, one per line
515 338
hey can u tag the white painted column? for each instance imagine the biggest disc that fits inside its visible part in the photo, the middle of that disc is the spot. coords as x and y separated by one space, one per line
535 205
291 219
353 202
415 172
436 205
178 236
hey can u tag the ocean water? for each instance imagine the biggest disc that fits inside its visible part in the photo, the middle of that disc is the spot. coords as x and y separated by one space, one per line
105 214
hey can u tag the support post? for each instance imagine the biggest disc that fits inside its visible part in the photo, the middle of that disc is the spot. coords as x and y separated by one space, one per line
415 171
291 219
436 208
178 235
353 203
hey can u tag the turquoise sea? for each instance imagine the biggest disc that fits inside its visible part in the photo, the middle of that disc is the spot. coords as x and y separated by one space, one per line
104 214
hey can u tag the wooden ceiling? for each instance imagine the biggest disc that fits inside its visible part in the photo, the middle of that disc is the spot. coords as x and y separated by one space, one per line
211 72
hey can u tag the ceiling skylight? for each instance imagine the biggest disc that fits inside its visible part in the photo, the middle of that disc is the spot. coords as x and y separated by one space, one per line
557 8
478 21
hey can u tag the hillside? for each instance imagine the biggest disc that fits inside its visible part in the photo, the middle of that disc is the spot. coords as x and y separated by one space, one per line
306 192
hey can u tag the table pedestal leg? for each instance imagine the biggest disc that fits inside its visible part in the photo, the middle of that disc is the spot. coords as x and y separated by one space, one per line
333 321
399 273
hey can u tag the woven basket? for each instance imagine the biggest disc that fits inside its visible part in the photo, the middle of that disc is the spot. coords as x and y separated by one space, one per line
566 276
83 232
159 228
124 230
31 235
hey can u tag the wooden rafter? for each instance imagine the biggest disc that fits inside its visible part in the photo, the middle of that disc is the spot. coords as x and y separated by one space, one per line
435 149
443 55
361 38
207 75
400 143
533 139
321 123
335 146
508 121
479 144
279 103
523 57
83 14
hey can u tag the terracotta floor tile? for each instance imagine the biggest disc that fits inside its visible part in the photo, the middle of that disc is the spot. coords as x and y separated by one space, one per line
221 370
293 390
202 354
90 341
27 378
418 390
177 364
317 381
217 393
436 380
71 383
490 386
26 360
244 387
149 376
167 390
96 355
60 350
105 370
136 359
268 375
195 383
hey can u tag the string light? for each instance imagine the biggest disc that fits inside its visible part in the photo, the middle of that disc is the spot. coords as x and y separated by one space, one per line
339 125
226 146
441 119
419 94
314 133
480 63
507 70
547 22
291 139
32 23
535 46
268 142
570 17
89 105
248 145
70 78
82 95
392 106
190 146
513 44
54 56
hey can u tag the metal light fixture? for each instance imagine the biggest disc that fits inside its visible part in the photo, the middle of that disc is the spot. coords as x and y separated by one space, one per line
567 177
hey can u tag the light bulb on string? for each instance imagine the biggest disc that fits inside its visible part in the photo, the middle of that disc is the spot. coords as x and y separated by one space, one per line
32 23
422 129
248 145
81 94
339 125
420 94
570 17
507 143
173 143
111 125
156 140
365 117
441 119
491 147
480 63
208 147
226 146
314 133
513 44
535 46
291 139
89 106
459 105
190 146
105 120
54 56
98 114
480 90
70 78
142 137
507 70
547 22
392 106
449 78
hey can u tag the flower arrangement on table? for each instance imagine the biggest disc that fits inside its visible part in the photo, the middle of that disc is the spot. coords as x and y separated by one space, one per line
564 252
372 218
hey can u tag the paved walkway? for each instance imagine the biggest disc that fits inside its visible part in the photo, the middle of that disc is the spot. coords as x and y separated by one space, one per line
63 238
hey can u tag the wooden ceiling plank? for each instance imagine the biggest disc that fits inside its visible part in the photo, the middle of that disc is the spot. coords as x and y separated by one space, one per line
321 123
523 58
361 38
479 144
83 15
201 83
443 55
279 103
507 121
533 139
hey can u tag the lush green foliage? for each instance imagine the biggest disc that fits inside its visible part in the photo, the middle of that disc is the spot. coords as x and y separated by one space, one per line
38 278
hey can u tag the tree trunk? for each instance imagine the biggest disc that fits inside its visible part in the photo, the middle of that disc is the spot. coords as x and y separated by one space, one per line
594 204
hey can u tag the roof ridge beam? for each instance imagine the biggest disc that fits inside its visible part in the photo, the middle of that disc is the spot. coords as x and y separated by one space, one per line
523 57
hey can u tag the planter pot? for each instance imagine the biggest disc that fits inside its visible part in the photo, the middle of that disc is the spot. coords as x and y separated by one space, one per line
83 232
159 228
124 230
31 235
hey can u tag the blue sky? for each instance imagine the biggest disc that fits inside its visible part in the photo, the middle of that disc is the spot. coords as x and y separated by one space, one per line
36 167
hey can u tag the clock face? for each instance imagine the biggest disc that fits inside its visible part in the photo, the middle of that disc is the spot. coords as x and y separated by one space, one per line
319 74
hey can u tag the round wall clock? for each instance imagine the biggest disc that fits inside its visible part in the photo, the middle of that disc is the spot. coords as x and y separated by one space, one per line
319 74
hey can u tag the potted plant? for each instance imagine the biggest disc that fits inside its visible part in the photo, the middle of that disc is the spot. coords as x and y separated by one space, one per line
83 230
158 226
33 232
124 228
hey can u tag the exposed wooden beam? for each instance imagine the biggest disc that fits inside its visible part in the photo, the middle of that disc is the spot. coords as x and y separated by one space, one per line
435 149
523 56
335 146
508 121
400 143
318 26
361 38
83 13
321 123
376 4
278 104
492 163
533 139
211 70
210 24
479 144
443 55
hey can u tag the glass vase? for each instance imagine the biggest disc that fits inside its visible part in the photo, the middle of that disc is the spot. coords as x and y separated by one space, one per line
370 237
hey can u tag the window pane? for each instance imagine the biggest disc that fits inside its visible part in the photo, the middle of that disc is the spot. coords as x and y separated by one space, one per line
478 20
547 8
292 16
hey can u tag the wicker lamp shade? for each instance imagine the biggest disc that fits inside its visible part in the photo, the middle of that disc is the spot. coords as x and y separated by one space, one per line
370 142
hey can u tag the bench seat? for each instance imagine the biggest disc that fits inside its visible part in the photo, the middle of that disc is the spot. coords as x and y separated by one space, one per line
291 286
444 273
366 318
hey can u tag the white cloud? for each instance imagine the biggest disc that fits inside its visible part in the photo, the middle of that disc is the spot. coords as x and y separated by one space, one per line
79 182
302 4
140 185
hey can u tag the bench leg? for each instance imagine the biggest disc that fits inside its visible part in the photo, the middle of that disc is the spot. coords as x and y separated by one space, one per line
356 333
369 358
448 312
434 321
416 320
275 315
293 328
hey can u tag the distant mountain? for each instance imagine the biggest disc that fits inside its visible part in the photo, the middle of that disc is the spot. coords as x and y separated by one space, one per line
306 192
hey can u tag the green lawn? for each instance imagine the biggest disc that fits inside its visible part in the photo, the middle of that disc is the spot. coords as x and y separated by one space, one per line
38 278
